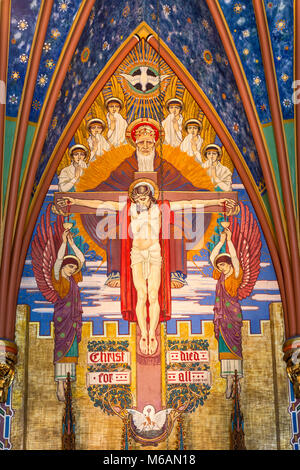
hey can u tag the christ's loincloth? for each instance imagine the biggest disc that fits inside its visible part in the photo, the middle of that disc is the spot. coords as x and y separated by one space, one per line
150 256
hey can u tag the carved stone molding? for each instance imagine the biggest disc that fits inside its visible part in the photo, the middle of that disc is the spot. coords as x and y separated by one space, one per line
8 360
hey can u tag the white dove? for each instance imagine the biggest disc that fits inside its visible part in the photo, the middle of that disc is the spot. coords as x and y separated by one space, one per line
142 77
148 420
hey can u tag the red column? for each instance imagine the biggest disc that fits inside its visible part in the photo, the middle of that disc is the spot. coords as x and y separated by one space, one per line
4 49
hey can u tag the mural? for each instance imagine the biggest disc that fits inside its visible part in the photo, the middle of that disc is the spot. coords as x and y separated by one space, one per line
147 225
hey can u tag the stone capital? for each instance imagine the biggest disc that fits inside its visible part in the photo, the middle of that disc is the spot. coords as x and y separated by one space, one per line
291 350
8 360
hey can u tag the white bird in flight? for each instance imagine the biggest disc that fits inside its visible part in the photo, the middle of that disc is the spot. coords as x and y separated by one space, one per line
143 78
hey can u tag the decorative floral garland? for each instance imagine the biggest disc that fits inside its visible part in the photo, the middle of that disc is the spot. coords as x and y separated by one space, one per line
112 399
187 396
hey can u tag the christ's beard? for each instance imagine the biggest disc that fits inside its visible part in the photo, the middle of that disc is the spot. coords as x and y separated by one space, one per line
145 162
142 207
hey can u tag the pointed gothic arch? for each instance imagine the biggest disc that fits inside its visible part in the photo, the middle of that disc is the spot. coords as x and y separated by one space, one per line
275 211
143 31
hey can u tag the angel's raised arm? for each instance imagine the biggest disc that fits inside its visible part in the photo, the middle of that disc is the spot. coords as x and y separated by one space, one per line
59 259
75 248
234 258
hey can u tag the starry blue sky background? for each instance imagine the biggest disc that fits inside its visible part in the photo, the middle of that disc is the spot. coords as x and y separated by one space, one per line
191 35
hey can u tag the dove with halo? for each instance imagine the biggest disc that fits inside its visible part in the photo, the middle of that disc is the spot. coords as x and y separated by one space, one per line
148 420
143 79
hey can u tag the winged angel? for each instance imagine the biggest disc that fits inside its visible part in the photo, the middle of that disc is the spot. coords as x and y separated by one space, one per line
57 273
236 271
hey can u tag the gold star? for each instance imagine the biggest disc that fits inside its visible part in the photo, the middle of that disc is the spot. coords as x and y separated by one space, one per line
15 75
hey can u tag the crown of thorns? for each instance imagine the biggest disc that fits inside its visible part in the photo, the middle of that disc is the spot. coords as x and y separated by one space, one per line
144 182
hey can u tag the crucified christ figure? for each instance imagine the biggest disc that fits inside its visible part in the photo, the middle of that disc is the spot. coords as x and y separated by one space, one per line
145 218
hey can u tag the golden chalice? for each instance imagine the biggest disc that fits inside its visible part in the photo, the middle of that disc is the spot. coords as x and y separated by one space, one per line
225 224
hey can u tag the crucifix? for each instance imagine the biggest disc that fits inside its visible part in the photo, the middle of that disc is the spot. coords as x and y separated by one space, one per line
145 262
148 211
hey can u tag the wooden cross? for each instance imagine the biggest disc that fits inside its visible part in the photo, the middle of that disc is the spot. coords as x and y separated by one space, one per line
163 196
148 373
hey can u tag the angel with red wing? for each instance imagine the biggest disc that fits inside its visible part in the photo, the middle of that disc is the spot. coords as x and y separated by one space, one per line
236 271
57 274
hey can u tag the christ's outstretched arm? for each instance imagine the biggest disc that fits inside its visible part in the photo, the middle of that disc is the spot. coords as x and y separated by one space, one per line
231 207
92 203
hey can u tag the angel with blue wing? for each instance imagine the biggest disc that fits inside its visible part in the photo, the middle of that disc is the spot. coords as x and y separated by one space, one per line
57 273
236 271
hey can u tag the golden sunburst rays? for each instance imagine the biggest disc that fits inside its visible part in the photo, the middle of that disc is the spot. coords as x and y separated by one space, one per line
191 110
97 110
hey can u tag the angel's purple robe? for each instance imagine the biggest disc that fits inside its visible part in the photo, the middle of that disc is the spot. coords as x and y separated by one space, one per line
168 179
67 324
228 322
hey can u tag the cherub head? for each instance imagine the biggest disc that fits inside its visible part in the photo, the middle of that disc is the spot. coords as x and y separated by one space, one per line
193 127
212 153
95 126
78 154
174 106
114 105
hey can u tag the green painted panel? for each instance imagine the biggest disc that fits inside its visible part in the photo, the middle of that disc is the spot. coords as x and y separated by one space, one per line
289 128
290 141
29 137
266 201
8 143
10 127
269 136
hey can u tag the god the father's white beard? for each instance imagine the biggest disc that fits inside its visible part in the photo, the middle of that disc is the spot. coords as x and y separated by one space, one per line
145 162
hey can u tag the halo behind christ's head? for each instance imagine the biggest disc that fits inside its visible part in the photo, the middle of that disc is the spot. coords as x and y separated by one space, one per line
147 182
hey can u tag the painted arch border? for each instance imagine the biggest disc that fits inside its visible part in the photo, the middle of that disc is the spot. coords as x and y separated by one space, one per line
143 31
